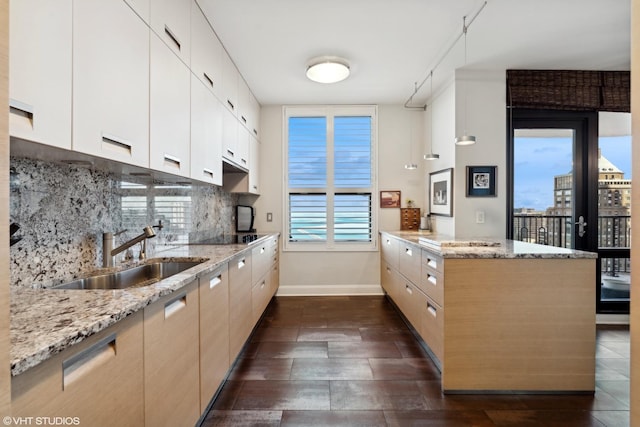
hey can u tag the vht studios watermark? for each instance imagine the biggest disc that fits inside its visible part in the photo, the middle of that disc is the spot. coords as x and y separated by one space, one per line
41 421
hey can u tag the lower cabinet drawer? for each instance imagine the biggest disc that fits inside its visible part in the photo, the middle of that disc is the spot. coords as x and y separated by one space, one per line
99 381
432 284
432 327
260 296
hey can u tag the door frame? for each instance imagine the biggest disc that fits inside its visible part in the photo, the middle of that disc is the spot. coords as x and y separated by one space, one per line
585 182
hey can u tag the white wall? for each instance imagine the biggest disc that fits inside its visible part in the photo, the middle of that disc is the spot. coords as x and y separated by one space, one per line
486 120
331 273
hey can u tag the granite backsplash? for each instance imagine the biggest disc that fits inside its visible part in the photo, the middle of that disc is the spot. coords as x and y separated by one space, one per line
62 211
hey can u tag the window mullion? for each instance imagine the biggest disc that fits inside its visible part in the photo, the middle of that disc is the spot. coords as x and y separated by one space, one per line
330 179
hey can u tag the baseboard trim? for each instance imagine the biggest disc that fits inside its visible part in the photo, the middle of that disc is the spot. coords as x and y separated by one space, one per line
329 290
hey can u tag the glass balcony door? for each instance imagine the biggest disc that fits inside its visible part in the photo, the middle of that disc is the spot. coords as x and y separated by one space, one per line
570 187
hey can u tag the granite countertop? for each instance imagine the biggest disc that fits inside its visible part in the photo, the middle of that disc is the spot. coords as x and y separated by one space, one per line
46 321
456 247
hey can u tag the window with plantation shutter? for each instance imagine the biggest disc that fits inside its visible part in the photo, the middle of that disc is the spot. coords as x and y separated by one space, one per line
330 179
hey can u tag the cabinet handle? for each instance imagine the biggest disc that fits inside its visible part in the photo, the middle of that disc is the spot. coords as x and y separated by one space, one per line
241 263
215 281
244 161
21 109
255 187
388 241
262 250
408 289
255 132
432 279
172 36
408 251
115 142
244 120
208 79
388 270
233 107
262 285
175 305
173 161
231 153
88 359
432 263
432 310
208 172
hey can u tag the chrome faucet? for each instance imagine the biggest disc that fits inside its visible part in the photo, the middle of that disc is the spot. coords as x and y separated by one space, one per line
108 253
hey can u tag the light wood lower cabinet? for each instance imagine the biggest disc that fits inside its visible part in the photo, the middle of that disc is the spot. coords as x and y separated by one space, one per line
240 314
499 324
99 381
171 356
214 333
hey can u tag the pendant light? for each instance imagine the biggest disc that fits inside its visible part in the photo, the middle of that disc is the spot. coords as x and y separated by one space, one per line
411 166
431 155
465 139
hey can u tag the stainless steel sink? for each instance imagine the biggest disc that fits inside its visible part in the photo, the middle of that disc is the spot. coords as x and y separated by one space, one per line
141 275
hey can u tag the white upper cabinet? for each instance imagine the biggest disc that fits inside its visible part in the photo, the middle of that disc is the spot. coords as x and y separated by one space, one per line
254 116
206 134
141 7
170 122
171 21
254 172
230 79
206 52
110 82
244 106
40 71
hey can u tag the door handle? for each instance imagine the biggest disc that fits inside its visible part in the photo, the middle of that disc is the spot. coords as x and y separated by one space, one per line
582 224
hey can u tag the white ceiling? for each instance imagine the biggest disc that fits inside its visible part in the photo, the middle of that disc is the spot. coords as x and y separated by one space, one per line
392 44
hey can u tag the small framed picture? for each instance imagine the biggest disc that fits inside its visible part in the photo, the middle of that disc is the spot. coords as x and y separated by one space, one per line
481 181
390 199
441 192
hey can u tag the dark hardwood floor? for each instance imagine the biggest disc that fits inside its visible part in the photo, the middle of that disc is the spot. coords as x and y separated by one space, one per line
351 361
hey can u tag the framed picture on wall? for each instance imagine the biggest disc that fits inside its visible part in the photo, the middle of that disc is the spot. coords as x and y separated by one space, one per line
441 192
481 181
390 199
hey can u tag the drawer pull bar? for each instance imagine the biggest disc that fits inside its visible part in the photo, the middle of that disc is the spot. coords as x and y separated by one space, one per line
244 161
175 305
432 263
432 279
255 132
231 153
208 172
172 36
432 310
114 142
262 285
408 289
408 251
90 358
241 263
208 79
21 109
233 107
215 281
244 120
170 160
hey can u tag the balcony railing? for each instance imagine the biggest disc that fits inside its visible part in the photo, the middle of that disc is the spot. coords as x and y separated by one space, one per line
557 230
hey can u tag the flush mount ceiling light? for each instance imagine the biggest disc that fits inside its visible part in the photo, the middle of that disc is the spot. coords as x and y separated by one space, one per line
328 69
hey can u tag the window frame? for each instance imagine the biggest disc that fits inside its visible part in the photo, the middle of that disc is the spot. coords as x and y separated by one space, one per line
330 111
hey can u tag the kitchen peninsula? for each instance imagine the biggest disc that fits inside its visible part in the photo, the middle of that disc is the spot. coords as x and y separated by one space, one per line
497 315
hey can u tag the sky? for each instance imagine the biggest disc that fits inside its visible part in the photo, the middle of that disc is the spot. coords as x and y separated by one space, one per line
538 160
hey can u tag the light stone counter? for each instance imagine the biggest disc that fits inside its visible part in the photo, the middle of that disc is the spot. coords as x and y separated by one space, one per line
44 322
452 247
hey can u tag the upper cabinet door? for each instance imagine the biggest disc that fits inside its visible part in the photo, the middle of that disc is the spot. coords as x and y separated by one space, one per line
40 71
171 21
254 116
244 107
206 134
141 7
110 82
230 79
206 52
170 120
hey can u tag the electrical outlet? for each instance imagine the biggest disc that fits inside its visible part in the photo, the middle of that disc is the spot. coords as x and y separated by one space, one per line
269 217
479 217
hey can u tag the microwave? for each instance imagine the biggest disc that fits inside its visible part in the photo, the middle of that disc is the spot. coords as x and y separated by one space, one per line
244 219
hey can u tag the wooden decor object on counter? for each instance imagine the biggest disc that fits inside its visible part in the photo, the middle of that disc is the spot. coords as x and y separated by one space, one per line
409 218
